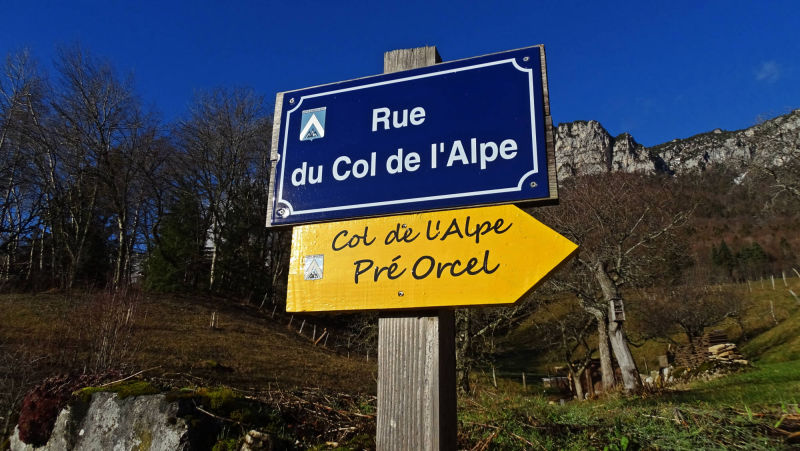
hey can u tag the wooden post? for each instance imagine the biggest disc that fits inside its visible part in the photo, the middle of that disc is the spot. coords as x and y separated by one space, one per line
416 351
417 382
772 312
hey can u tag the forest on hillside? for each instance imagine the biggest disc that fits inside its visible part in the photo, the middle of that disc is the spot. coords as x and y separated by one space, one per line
97 192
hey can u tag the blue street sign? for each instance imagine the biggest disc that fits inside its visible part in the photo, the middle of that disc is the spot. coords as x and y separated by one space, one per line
464 133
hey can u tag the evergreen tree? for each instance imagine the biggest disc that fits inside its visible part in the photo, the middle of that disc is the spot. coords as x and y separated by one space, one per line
722 257
177 260
753 261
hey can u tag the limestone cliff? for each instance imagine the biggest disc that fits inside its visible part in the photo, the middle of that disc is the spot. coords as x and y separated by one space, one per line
587 148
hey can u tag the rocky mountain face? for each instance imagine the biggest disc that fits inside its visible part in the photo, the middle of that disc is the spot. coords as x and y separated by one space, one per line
587 148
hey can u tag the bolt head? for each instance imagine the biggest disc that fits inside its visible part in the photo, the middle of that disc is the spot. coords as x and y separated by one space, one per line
400 293
534 185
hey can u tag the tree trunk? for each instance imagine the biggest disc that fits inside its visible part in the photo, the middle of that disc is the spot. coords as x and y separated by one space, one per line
576 379
30 256
619 342
41 250
127 267
627 365
121 247
603 350
215 239
463 362
213 266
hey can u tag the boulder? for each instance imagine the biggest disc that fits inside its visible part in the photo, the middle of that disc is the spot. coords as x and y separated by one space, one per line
109 423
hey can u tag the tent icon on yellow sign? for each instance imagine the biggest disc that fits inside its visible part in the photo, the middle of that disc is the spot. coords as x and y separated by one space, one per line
312 124
313 267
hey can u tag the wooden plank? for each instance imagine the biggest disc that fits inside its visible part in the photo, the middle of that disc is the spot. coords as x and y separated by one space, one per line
274 154
416 352
397 60
416 381
549 132
397 262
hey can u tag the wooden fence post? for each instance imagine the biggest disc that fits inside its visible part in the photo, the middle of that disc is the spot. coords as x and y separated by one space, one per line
416 351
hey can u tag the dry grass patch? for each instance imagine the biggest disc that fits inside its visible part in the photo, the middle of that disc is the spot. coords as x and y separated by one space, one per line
247 348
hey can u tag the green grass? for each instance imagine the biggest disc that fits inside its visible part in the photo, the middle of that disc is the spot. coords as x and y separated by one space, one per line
766 387
736 412
779 344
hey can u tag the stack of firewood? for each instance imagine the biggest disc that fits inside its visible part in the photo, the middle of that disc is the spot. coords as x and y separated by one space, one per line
726 352
693 355
689 357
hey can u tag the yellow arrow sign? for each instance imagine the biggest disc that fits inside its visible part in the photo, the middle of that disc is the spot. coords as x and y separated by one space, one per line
475 256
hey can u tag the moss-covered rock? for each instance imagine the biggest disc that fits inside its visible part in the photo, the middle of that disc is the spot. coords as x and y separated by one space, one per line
123 390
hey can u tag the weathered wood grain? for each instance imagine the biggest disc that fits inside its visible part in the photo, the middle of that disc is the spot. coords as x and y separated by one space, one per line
416 352
549 132
274 154
405 59
416 381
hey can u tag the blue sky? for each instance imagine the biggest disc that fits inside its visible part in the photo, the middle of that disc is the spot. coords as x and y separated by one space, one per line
659 72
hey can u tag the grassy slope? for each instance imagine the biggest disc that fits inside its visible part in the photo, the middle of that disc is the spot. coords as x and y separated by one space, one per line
249 349
752 410
749 410
740 411
779 344
760 339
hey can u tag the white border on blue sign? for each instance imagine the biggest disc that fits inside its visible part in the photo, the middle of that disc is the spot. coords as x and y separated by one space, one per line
535 170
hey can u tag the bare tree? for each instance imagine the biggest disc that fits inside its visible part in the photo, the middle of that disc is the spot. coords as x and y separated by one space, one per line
21 90
222 144
568 331
691 306
623 222
475 336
